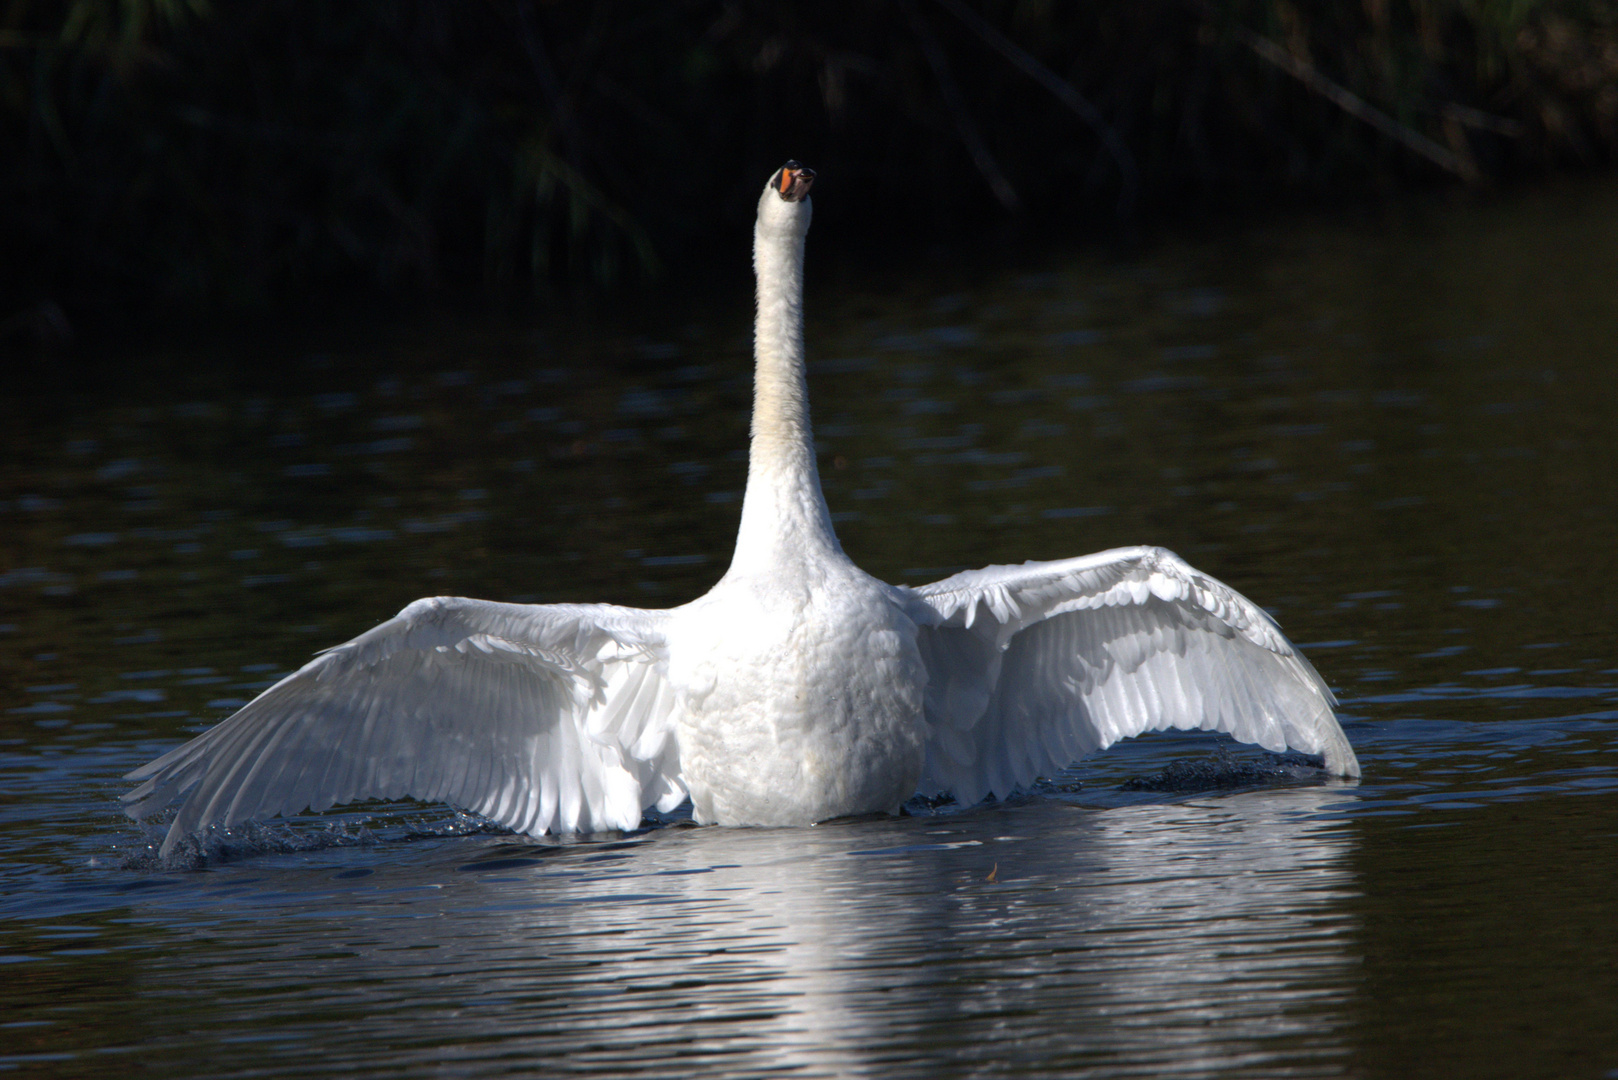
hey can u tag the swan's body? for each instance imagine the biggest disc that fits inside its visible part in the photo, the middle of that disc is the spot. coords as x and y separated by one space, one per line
808 708
800 688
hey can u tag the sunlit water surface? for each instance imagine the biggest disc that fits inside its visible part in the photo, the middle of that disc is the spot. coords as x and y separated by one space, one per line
1398 436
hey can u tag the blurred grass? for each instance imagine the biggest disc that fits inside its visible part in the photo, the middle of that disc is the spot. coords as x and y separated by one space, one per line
177 155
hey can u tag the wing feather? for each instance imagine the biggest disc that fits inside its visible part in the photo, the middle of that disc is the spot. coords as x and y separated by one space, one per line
545 718
1031 667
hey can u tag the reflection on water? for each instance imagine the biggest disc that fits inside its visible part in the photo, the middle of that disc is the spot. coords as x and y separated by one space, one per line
1191 937
1398 438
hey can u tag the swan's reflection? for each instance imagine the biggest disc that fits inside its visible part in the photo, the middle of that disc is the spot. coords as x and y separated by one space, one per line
1156 938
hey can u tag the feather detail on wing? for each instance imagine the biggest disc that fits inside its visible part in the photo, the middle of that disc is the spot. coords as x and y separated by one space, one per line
1031 667
544 718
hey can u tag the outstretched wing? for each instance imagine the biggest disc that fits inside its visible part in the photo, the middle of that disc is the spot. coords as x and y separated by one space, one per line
1031 667
545 718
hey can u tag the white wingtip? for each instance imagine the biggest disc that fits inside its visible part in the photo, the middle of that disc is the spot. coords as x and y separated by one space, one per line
1340 758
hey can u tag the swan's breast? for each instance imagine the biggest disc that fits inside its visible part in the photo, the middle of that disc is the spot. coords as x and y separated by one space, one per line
801 700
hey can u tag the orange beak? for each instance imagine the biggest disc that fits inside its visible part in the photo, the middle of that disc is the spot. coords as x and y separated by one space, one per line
793 183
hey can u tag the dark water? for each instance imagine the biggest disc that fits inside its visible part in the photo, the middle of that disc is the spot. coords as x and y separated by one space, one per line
1398 436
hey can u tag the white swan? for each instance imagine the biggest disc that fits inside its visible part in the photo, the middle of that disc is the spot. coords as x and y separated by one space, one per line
799 689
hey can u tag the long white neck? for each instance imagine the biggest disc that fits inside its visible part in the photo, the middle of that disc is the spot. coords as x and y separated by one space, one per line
784 515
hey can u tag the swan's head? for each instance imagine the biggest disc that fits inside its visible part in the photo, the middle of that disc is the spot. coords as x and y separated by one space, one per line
784 206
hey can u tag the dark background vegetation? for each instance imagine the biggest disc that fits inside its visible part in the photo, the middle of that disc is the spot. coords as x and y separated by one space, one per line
181 157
